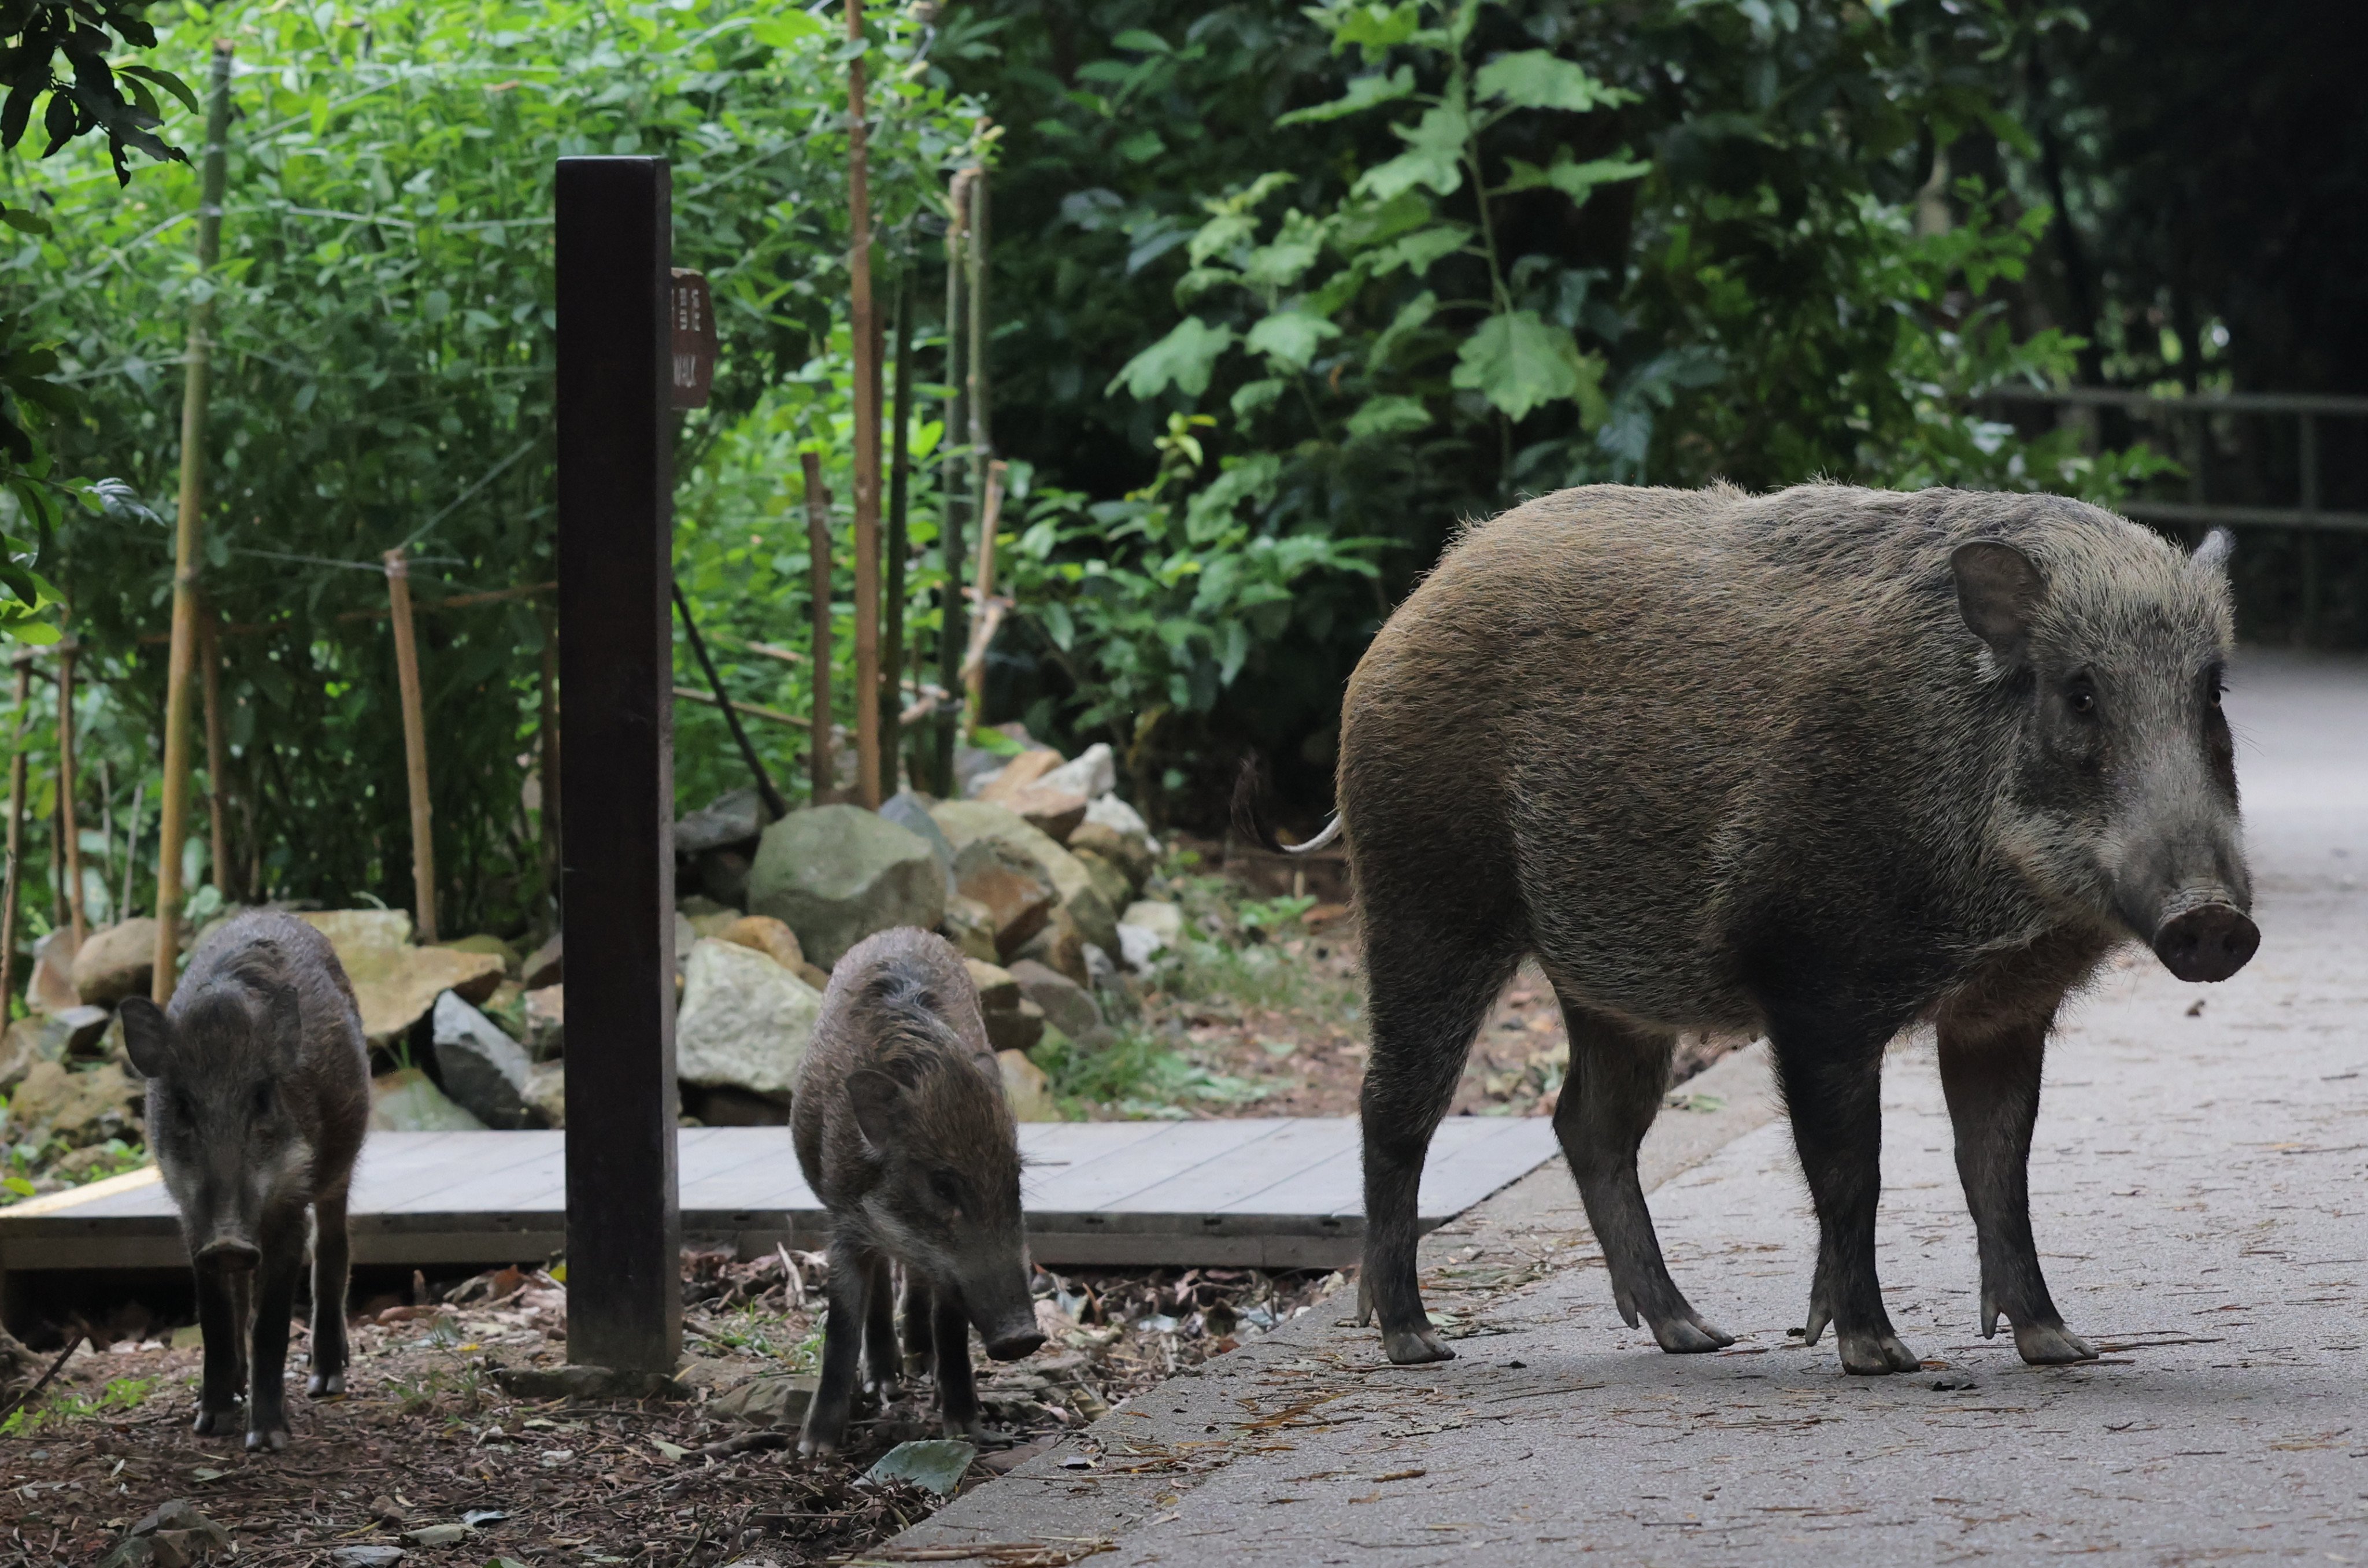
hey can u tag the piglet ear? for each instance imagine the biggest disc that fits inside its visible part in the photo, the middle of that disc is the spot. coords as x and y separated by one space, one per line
879 1102
1999 592
2211 557
147 1039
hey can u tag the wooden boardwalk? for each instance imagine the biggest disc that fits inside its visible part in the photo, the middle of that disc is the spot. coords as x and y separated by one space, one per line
1269 1193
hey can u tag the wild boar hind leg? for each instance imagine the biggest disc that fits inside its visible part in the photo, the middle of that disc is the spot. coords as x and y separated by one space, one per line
1430 985
1618 1074
1833 1086
331 1267
1991 1077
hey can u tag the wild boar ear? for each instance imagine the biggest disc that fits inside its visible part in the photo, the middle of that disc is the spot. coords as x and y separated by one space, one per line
2212 555
147 1039
879 1101
1999 592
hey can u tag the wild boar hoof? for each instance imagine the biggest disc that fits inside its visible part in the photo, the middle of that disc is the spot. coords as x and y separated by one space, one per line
1869 1354
2043 1346
326 1385
1411 1346
816 1447
1689 1335
272 1437
212 1422
974 1429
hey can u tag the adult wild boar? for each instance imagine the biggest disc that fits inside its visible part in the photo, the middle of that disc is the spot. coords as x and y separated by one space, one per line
1825 764
258 1097
903 1131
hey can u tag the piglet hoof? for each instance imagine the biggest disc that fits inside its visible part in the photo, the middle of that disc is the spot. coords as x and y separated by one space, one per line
973 1429
2044 1346
814 1448
1688 1336
216 1422
1412 1346
1867 1352
273 1437
326 1385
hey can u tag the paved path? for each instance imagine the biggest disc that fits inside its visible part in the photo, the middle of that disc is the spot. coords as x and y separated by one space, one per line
2201 1194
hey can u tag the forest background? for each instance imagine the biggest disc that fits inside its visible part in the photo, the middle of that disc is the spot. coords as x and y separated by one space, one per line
1279 296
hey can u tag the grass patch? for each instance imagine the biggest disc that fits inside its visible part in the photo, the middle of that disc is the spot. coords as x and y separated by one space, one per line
1134 1075
123 1394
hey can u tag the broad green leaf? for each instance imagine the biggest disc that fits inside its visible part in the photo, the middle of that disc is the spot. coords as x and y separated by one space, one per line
1389 416
1290 338
1255 395
1142 43
1433 155
1536 79
1412 317
1278 264
1574 179
1222 234
1184 359
784 28
1375 27
1370 223
1364 93
1519 362
1418 250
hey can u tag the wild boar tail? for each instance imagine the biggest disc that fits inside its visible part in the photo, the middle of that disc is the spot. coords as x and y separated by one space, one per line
1250 822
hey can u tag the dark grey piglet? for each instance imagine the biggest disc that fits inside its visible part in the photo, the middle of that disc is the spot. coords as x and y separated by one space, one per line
259 1096
903 1132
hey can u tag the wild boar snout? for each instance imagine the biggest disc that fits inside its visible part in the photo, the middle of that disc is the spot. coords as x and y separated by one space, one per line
1015 1343
230 1254
2206 942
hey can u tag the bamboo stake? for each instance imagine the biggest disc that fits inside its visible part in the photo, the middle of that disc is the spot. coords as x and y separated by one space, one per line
952 631
16 834
415 743
69 832
818 548
132 846
864 341
217 753
892 634
172 828
982 439
990 608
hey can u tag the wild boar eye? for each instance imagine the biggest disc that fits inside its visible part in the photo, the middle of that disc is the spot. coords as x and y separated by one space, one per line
2080 697
948 1188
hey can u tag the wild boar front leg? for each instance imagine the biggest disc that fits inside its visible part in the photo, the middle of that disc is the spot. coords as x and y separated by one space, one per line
842 1349
224 1331
957 1393
1991 1078
921 1326
1834 1090
331 1265
1616 1077
881 1357
275 1305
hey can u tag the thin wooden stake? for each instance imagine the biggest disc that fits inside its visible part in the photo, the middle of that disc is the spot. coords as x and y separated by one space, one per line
982 435
415 743
990 608
863 339
15 833
173 829
818 548
217 755
953 484
69 832
891 634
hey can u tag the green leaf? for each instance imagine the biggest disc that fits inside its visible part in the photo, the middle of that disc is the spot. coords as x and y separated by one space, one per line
1418 250
1433 155
171 83
1279 264
1412 317
1574 179
1184 357
1364 93
1289 338
1536 79
1389 416
1255 395
24 220
1375 27
1142 41
1520 361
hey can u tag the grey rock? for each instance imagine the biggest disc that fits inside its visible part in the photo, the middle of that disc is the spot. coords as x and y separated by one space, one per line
910 810
51 988
965 822
766 1401
180 1514
1067 1005
734 818
546 1022
836 874
407 1100
936 1463
484 1070
115 963
745 1022
545 966
1016 892
1093 773
546 1093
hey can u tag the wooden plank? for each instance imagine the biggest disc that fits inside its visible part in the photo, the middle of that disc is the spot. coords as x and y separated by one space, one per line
1257 1178
613 243
1484 1155
1101 1180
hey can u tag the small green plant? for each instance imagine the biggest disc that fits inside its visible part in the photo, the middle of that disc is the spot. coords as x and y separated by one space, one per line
1274 913
759 1333
122 1393
1135 1075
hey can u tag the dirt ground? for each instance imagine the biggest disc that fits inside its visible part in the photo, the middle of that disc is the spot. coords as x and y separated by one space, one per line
428 1438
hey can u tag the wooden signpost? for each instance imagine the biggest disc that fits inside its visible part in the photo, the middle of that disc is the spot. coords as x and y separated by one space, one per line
616 659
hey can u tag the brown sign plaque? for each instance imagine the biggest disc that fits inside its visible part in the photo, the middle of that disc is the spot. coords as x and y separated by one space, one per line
692 312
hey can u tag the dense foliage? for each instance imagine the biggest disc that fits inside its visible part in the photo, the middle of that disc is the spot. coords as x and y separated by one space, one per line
383 378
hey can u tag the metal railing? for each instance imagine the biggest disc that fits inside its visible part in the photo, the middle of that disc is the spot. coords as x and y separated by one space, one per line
2191 416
